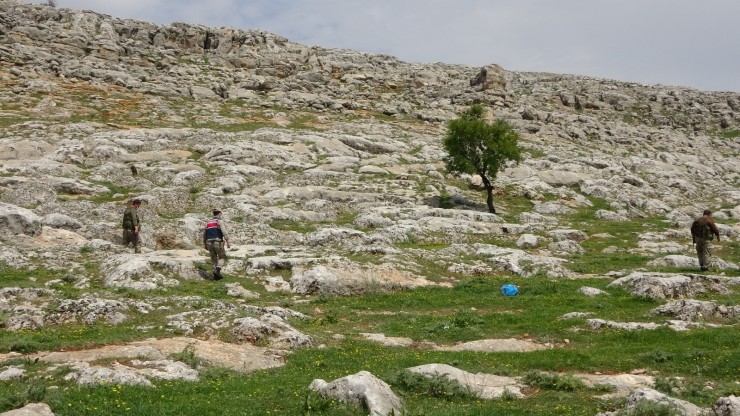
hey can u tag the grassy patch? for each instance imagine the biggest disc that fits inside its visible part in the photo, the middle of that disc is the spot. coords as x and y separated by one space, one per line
297 226
71 336
730 134
614 237
472 309
232 127
116 193
9 121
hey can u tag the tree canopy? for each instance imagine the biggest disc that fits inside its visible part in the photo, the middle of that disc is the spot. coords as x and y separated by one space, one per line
475 146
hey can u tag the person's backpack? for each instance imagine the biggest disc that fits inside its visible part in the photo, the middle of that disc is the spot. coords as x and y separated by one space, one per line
128 220
700 229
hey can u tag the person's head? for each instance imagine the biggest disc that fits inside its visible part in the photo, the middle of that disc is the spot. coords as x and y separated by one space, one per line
216 213
707 212
136 203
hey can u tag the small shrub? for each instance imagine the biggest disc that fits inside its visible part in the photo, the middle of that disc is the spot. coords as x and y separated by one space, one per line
323 298
460 320
501 370
650 408
697 391
508 395
666 384
15 394
216 374
658 356
436 385
604 388
446 201
464 319
411 238
187 356
553 381
318 404
331 317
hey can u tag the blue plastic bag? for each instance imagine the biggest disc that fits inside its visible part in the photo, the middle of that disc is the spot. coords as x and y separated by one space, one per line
509 290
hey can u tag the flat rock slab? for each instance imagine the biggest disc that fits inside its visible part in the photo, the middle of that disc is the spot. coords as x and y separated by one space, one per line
672 285
33 409
624 384
389 341
496 345
485 386
245 358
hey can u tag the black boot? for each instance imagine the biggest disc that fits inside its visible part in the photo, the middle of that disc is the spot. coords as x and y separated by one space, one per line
217 274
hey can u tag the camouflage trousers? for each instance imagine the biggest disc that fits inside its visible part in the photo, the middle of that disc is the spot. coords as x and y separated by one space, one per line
131 238
217 252
703 252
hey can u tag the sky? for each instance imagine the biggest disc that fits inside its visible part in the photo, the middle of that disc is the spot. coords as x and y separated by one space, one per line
690 43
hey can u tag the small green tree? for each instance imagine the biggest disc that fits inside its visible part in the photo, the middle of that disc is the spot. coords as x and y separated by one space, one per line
476 147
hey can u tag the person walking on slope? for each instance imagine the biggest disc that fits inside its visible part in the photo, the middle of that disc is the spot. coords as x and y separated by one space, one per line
701 233
131 225
214 238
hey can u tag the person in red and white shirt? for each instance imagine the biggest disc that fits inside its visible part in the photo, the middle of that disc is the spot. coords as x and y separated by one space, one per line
214 239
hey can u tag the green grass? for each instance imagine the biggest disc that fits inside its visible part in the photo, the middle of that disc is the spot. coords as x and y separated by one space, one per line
730 134
344 218
473 309
32 341
233 127
297 226
284 391
114 193
9 121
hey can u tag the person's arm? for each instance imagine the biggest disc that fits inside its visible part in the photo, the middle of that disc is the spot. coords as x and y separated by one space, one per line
713 227
205 230
135 220
222 226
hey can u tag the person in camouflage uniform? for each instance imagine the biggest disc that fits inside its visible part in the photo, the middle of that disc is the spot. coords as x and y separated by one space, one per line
131 225
702 231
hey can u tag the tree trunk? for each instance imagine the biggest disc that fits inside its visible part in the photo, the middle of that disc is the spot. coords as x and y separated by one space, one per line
489 191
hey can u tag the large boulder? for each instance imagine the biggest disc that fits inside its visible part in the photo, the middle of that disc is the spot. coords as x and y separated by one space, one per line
727 406
361 389
683 407
671 286
693 310
32 409
272 329
16 220
485 386
56 220
490 78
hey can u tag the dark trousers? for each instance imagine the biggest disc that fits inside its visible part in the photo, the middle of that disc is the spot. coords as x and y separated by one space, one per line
131 238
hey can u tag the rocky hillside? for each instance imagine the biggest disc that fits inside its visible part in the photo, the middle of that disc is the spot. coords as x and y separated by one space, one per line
328 167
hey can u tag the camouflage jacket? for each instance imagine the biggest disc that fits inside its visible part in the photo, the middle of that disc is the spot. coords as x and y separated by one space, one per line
130 218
